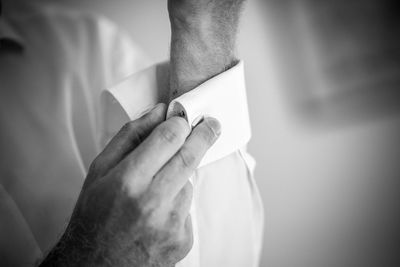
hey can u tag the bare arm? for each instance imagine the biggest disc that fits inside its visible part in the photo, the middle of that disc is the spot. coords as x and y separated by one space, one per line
202 41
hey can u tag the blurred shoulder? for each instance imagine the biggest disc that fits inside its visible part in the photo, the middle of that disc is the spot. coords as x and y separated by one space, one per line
85 40
83 23
99 37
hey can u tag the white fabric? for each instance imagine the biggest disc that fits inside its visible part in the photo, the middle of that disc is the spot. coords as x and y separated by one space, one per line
50 116
224 98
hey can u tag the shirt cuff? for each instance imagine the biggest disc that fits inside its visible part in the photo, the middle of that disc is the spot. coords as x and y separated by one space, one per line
223 97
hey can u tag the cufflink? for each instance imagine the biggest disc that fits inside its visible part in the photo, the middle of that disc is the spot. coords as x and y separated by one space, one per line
177 109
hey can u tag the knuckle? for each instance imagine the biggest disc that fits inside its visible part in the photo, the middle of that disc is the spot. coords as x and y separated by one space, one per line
151 216
128 127
184 239
208 134
132 131
187 158
169 134
187 242
180 239
174 218
173 131
150 204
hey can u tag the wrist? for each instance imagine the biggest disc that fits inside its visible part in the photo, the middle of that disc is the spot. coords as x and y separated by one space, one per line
197 54
202 41
205 34
71 250
63 255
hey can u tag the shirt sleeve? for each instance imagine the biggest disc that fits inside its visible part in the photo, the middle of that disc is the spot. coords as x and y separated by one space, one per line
222 97
225 189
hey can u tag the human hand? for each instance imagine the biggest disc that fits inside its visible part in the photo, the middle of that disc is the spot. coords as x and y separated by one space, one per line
202 41
134 206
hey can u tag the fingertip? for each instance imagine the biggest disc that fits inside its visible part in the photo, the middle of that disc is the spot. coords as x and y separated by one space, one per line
182 124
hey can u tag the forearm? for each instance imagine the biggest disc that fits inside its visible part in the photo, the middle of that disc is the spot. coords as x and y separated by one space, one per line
202 45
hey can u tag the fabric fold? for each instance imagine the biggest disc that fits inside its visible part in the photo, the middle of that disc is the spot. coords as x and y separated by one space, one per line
223 97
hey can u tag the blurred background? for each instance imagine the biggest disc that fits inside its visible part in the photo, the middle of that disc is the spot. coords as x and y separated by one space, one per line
322 81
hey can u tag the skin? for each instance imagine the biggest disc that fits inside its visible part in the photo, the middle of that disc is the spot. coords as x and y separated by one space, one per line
134 206
202 41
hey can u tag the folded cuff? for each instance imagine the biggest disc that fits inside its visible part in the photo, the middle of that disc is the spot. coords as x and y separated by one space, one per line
223 97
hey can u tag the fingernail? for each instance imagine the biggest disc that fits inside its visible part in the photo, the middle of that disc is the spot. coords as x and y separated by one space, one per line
215 125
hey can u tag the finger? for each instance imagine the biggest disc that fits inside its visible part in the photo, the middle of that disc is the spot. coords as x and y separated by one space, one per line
149 157
183 202
128 138
174 175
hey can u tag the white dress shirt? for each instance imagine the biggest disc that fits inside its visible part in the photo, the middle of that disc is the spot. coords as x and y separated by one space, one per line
53 67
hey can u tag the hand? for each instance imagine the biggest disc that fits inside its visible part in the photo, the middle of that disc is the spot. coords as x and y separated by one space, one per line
134 206
202 41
